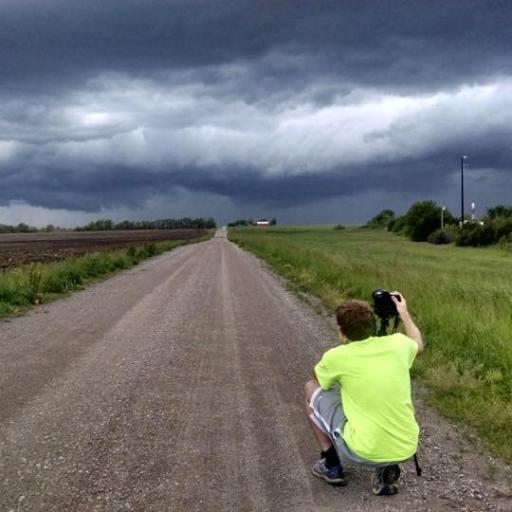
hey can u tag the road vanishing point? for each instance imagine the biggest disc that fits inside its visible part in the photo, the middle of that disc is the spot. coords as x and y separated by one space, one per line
178 386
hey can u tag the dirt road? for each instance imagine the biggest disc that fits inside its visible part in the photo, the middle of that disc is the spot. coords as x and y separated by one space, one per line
177 386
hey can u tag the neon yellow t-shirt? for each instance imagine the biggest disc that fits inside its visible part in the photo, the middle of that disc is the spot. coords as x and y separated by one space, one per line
373 376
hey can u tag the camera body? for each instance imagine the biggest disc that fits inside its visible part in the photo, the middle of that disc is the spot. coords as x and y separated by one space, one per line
383 305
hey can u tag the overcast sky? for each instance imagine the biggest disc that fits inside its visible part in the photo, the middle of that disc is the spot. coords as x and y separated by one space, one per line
308 111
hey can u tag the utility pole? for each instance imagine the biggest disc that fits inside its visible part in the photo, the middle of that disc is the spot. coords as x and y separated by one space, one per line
462 158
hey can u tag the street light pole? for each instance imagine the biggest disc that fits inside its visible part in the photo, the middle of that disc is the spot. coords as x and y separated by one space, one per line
442 217
462 158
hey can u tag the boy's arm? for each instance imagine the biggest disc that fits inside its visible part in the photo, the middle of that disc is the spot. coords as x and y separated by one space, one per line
322 373
411 330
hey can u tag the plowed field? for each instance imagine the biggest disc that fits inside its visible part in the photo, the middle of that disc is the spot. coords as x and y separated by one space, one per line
19 248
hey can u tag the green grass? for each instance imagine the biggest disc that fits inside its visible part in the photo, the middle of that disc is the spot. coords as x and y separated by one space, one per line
461 298
26 285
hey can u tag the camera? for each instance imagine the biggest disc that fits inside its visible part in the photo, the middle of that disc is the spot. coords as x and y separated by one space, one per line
383 305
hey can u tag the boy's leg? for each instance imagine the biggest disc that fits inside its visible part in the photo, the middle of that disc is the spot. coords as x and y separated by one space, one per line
322 438
384 477
328 467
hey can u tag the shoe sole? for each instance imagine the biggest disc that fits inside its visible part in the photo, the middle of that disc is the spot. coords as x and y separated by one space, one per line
339 482
387 490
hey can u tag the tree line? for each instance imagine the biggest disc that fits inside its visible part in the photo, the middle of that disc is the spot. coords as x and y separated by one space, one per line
183 223
19 228
109 225
422 222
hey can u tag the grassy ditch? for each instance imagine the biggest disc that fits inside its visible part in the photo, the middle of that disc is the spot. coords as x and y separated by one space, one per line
36 283
460 297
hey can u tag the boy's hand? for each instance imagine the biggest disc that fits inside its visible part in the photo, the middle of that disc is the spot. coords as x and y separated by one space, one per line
410 327
400 302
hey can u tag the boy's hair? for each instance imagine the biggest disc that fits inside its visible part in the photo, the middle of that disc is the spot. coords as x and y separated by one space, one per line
356 320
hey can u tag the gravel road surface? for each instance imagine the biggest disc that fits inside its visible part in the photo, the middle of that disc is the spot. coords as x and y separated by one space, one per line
177 386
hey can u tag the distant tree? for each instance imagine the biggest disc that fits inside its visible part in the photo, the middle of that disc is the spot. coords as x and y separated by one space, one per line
273 221
125 225
499 211
24 228
476 235
381 220
502 226
98 225
440 236
397 224
423 218
19 228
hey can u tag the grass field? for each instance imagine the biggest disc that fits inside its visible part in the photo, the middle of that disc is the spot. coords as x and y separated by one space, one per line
461 299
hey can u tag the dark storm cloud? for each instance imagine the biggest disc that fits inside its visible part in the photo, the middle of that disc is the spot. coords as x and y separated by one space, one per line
117 187
108 103
395 43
